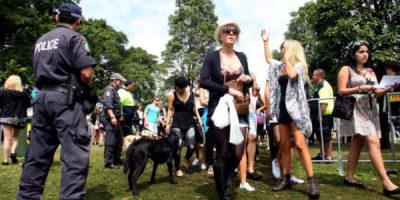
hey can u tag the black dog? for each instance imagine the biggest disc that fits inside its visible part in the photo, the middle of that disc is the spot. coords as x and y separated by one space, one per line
159 150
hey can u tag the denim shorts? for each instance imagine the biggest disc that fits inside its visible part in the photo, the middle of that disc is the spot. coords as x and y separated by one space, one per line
252 123
244 120
13 121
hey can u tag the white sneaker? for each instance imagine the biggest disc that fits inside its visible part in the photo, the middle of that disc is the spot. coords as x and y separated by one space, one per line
195 162
276 169
296 180
247 187
203 166
210 171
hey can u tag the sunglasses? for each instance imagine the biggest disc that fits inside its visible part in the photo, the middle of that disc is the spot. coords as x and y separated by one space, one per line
229 31
359 43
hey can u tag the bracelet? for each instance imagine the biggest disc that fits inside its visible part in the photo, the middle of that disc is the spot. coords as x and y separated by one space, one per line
113 117
265 41
359 89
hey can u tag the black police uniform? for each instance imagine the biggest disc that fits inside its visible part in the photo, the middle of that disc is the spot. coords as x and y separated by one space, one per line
114 137
57 54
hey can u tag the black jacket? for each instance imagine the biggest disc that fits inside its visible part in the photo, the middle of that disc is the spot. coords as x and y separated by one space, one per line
14 103
211 80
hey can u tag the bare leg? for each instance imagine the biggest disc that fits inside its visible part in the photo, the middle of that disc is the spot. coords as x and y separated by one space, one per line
286 158
302 149
354 155
15 136
251 151
374 150
328 148
243 161
7 130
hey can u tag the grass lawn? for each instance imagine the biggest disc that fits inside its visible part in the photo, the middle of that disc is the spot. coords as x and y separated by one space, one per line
112 184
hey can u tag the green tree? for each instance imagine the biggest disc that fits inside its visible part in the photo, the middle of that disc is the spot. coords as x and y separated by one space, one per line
326 27
140 67
107 46
191 26
22 23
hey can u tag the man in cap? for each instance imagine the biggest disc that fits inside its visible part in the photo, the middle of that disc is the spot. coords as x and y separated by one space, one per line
59 116
113 116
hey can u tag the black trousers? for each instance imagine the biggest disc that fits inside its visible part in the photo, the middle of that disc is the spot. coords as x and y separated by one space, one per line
113 144
55 123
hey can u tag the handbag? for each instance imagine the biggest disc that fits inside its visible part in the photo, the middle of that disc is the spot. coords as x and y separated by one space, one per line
344 105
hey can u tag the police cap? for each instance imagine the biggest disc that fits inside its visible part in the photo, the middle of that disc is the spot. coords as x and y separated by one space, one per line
70 9
117 76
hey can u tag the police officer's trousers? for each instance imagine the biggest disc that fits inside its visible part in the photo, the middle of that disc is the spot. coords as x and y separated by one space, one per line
113 144
55 123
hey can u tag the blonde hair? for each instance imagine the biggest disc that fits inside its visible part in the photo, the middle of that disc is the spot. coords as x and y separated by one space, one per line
13 83
294 52
218 31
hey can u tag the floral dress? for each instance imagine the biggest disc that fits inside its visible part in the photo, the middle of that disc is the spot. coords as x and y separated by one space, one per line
365 120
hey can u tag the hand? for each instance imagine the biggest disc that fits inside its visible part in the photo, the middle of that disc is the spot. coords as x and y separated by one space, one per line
396 85
114 121
243 78
268 116
236 94
264 35
86 75
168 129
145 124
366 88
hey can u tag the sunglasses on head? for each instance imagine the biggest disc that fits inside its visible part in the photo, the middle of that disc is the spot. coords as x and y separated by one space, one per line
230 30
359 43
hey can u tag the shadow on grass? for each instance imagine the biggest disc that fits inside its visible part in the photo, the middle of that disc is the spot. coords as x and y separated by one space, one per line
337 181
98 192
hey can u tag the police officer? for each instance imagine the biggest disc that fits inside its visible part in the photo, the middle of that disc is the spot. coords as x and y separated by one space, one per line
57 118
113 115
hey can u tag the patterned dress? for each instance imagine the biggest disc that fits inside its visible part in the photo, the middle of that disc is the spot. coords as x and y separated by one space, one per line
295 98
365 120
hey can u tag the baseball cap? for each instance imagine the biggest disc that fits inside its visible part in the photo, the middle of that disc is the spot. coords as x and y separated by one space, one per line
117 76
70 8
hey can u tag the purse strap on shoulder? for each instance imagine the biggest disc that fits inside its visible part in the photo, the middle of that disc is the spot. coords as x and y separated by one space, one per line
349 83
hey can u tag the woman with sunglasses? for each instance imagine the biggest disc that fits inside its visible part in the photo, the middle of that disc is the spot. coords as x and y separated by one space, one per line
219 68
358 79
289 104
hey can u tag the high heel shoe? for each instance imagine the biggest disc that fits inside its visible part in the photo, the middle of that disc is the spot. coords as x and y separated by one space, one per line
387 192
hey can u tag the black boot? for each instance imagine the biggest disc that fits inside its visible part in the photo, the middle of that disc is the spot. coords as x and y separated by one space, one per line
283 183
313 185
13 157
221 182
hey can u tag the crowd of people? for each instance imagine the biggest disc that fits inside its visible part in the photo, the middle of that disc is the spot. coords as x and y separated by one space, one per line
221 119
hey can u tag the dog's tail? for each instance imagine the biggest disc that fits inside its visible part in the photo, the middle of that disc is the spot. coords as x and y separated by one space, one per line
128 158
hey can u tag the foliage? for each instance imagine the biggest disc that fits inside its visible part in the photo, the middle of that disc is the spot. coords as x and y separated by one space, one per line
25 21
22 23
326 27
191 29
107 46
140 67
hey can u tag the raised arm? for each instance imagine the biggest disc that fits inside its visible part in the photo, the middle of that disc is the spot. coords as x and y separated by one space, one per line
267 51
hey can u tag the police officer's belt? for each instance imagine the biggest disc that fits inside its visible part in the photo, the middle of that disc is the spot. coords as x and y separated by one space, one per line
60 88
